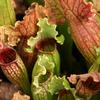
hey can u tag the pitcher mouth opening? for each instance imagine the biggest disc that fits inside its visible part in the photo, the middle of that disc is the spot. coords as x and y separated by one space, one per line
47 45
7 55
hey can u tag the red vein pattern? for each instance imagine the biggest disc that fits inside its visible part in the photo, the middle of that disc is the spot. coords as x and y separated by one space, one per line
54 11
86 84
85 31
28 26
14 68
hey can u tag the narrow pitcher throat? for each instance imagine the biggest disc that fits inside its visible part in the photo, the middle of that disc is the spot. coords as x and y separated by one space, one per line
7 55
47 45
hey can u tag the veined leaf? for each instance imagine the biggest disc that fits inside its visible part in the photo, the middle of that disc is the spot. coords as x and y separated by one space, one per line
86 84
28 26
47 31
85 30
7 14
14 68
54 11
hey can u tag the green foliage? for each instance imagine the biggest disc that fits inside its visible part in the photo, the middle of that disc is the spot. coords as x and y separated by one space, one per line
56 84
42 71
97 7
46 31
71 21
7 14
96 65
